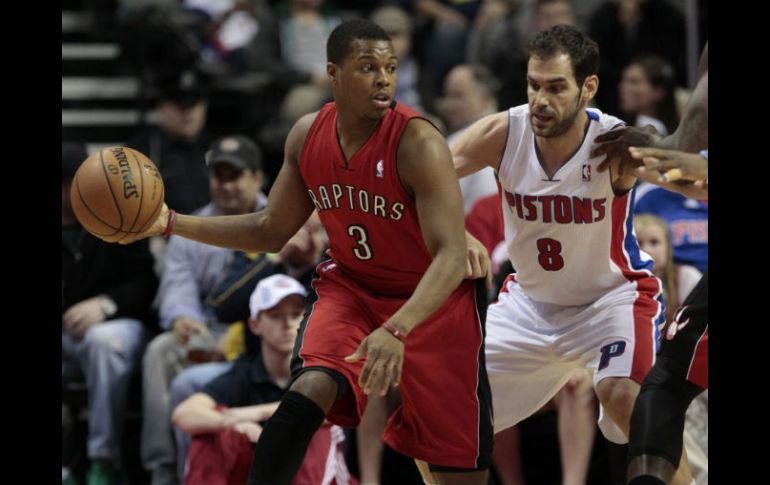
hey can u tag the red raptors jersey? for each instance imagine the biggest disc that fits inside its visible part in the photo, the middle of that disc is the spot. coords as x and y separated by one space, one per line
371 220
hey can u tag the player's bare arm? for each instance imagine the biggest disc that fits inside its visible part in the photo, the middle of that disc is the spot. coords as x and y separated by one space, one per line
667 168
425 169
288 207
690 136
481 145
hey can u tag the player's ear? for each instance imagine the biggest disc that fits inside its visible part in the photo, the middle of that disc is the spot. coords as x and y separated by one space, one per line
332 70
590 86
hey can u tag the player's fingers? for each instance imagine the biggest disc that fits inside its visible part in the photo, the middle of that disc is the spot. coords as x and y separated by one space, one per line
475 264
600 150
641 152
360 352
389 377
672 175
611 135
397 370
374 379
652 163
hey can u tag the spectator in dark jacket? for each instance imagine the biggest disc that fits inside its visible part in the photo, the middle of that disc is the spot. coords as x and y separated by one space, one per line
107 292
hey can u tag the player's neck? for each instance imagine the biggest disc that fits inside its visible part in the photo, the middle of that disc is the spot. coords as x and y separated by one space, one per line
352 132
554 152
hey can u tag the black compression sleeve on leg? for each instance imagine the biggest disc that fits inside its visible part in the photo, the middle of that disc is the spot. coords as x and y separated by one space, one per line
657 422
284 440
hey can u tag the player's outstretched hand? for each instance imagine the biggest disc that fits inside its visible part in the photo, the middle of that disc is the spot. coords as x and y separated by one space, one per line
614 144
156 229
384 362
672 164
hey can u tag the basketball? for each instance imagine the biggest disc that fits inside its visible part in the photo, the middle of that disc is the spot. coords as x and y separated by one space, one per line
116 192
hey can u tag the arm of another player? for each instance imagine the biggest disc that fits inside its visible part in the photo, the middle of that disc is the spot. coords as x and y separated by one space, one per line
288 207
691 135
425 168
667 167
481 145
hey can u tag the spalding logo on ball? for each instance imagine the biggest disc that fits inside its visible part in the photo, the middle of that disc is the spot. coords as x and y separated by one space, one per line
117 192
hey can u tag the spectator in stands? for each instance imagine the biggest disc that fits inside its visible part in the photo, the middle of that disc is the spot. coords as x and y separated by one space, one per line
647 94
470 93
625 29
687 220
107 292
178 143
304 31
191 271
450 24
225 417
229 301
678 279
397 23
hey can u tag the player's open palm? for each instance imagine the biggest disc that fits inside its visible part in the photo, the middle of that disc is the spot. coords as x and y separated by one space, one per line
384 362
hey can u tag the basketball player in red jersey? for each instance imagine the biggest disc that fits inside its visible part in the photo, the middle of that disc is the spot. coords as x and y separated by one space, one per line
393 308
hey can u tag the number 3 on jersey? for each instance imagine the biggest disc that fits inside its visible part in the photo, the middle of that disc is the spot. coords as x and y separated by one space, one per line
549 255
362 250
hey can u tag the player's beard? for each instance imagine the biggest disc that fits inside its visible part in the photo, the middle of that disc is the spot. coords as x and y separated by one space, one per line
562 126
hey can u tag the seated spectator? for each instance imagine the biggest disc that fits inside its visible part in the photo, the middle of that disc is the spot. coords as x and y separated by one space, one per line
226 417
687 219
229 303
191 271
107 292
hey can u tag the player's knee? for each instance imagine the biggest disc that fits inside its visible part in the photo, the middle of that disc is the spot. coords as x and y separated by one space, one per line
666 376
318 386
619 396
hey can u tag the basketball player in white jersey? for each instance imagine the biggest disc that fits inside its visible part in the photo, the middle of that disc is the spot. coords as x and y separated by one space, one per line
583 294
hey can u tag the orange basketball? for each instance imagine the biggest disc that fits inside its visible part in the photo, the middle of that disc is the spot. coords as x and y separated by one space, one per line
116 192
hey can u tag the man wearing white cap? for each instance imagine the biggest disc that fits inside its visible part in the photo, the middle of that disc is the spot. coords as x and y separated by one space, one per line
225 417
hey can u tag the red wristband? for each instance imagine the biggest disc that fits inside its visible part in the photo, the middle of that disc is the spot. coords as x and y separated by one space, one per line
394 331
170 223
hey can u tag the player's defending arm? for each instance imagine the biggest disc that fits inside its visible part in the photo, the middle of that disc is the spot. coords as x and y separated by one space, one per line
425 168
288 207
481 144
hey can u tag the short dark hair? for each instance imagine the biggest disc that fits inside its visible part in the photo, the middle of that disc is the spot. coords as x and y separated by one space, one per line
565 39
341 39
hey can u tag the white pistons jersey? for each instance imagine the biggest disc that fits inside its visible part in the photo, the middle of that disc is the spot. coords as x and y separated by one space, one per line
570 238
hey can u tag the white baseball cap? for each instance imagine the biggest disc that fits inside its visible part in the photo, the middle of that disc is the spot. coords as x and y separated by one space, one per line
271 290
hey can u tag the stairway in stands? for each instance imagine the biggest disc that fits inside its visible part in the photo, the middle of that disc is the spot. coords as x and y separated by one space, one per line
101 94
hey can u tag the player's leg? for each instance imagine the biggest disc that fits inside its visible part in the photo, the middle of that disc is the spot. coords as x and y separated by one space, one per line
445 413
524 371
324 385
679 375
507 455
576 407
657 425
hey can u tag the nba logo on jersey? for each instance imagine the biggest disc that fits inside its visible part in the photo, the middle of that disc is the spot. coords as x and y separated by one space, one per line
379 168
586 173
